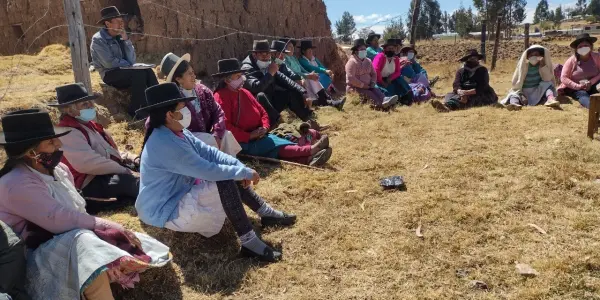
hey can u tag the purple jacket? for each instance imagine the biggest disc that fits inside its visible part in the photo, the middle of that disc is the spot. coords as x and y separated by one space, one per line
211 117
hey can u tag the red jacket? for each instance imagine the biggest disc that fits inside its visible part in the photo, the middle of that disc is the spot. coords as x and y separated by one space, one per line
243 113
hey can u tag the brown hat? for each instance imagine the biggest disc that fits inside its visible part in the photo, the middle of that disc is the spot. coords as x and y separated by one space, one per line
471 53
261 46
581 38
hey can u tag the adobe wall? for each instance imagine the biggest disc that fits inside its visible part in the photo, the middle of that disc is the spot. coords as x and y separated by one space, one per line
296 18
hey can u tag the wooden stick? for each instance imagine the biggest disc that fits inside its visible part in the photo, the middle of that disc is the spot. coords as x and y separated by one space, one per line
77 43
274 160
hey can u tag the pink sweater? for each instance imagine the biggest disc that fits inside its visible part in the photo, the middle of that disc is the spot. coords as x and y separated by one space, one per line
379 63
566 77
25 197
359 73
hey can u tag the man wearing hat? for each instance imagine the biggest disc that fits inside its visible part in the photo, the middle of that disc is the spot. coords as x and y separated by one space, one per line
581 72
373 43
113 56
471 86
274 84
99 170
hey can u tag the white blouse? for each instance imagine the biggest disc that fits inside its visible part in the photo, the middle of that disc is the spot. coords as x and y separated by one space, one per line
389 69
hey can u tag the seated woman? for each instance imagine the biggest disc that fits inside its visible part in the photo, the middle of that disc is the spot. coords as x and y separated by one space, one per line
418 73
12 265
70 254
249 122
311 82
471 86
361 77
389 79
188 186
581 73
311 63
533 81
373 43
208 122
100 170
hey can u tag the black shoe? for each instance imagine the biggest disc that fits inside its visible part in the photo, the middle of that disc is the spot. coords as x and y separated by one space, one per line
286 220
269 254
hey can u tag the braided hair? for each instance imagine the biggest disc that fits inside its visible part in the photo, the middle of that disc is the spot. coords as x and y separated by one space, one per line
157 118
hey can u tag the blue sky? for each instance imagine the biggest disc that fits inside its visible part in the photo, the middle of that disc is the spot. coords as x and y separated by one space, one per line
368 12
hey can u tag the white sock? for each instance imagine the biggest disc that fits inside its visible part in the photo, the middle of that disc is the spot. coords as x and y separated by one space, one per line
251 241
267 211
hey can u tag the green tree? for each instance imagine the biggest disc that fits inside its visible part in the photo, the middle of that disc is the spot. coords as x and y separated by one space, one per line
345 27
394 30
580 7
429 19
594 8
542 12
464 21
558 16
363 33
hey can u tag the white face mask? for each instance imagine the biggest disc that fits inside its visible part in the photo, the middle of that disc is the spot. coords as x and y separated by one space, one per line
410 55
187 117
534 60
362 54
584 51
263 64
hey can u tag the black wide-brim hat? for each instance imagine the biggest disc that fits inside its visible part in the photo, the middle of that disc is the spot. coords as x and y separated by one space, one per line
162 95
29 126
287 39
71 94
471 53
261 46
581 38
408 48
306 45
390 42
170 62
109 13
371 36
279 46
357 43
227 67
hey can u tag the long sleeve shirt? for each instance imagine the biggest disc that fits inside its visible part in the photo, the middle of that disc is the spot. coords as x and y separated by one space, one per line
243 113
380 62
109 53
294 65
170 165
371 52
566 77
210 117
310 67
360 73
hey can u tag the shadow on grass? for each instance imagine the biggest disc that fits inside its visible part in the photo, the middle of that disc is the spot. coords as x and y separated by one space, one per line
206 265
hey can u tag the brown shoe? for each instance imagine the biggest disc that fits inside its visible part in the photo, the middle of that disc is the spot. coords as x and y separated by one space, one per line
321 157
439 105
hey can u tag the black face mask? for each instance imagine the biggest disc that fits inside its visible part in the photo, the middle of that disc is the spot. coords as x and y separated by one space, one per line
49 160
390 53
472 64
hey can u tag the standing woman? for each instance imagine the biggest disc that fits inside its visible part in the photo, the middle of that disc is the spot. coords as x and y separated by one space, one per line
361 77
208 123
71 255
187 186
581 73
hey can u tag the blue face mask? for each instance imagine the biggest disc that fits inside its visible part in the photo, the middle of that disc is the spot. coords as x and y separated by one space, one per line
362 54
87 115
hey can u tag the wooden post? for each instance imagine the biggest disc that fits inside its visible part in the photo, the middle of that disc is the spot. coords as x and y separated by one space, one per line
483 31
593 115
496 43
77 43
413 23
526 35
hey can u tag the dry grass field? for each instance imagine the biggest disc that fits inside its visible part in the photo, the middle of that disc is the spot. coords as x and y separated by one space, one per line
476 180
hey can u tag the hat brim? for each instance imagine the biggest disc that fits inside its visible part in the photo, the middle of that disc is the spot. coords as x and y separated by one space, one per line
58 132
90 97
284 51
311 47
162 104
576 42
465 58
185 57
110 18
227 73
407 48
270 50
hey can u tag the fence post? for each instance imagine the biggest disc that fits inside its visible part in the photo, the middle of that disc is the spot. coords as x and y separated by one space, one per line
77 43
526 35
496 43
413 23
593 115
483 32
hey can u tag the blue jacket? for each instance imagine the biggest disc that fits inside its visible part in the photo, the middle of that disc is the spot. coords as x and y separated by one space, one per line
417 67
305 63
107 53
169 168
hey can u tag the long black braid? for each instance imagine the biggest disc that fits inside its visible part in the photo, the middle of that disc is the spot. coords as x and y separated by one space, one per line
158 117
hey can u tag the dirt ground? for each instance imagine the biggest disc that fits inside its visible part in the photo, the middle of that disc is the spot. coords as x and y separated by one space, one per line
476 180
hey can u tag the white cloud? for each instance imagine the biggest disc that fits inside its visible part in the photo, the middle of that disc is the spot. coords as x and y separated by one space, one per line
361 19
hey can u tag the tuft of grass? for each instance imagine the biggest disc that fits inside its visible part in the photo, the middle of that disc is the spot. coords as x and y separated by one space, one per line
475 180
